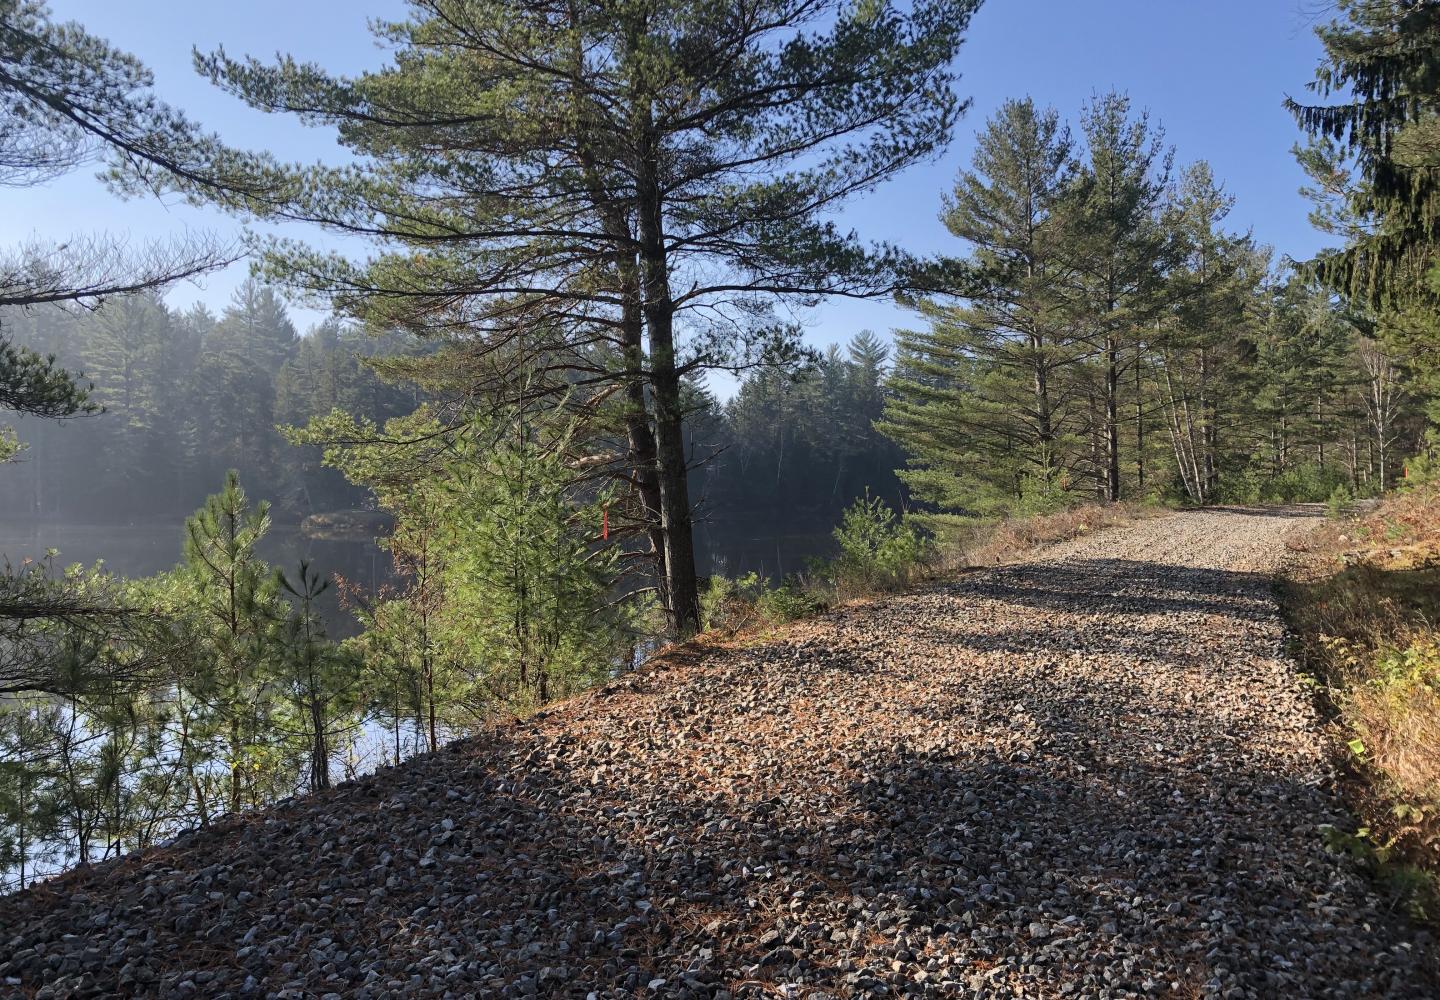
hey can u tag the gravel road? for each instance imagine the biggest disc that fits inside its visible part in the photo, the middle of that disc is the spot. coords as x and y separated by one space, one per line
1090 774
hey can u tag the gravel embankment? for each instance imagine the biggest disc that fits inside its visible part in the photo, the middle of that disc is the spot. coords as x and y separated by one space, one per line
1088 775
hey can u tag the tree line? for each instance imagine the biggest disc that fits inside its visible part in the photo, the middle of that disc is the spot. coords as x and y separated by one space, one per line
1108 337
183 396
187 396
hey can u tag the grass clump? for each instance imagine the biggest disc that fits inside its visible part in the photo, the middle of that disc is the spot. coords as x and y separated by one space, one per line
961 542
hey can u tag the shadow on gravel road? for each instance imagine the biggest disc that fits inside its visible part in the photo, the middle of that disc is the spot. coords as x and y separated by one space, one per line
556 879
1125 587
1011 826
1279 510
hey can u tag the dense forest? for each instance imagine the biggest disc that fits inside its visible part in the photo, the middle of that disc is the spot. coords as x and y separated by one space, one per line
1109 336
187 396
573 215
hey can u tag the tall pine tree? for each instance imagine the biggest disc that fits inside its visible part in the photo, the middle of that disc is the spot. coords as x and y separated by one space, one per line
984 400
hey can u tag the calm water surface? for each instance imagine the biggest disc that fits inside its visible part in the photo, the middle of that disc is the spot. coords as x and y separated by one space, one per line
143 549
135 550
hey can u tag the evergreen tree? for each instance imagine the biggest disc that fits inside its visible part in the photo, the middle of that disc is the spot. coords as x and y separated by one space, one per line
1119 253
1381 56
1372 158
29 825
532 582
334 367
508 598
238 363
234 608
1198 344
795 449
616 173
321 678
983 401
128 341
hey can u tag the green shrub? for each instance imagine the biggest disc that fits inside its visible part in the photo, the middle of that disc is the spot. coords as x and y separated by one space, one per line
1308 482
1241 487
878 548
1044 495
1341 499
1425 467
788 602
738 604
714 602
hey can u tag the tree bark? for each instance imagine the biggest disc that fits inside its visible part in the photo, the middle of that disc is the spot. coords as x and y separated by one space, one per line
319 751
640 439
665 381
1112 418
1208 435
639 435
1139 424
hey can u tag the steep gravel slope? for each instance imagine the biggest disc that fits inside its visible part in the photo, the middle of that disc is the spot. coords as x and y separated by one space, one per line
1090 775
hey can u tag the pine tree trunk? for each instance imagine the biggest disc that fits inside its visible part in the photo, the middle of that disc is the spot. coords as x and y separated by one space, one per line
640 438
22 840
235 764
1139 425
1097 447
639 434
319 752
1044 411
682 582
665 380
1112 419
430 703
397 725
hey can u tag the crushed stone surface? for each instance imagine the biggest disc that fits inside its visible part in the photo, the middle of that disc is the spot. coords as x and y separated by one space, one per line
1093 773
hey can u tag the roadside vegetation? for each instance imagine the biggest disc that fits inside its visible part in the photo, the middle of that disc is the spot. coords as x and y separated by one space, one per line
1363 595
883 552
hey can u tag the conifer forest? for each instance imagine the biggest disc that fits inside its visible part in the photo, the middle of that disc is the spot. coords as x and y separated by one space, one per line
520 384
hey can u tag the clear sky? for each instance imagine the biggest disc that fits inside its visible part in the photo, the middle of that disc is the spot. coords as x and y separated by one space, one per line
1213 73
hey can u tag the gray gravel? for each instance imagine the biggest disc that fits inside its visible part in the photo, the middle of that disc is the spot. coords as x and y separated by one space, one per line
1092 774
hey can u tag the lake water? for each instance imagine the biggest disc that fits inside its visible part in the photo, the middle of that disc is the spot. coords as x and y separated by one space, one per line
727 547
135 550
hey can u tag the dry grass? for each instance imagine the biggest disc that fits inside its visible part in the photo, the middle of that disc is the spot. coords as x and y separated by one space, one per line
1399 722
1363 595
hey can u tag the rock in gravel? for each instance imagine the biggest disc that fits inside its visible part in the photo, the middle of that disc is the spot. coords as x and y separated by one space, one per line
1090 774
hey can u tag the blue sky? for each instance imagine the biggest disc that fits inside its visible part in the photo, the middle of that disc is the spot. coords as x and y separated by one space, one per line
1213 73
